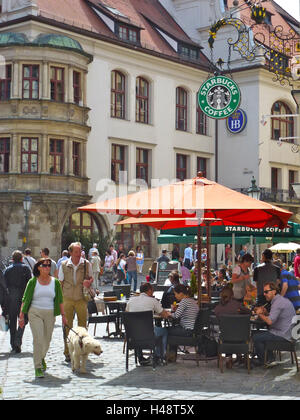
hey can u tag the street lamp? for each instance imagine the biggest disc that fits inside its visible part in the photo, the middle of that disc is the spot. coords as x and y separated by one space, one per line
254 191
27 207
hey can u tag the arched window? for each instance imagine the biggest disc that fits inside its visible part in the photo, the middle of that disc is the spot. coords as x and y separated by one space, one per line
142 100
117 94
83 223
133 235
282 126
181 109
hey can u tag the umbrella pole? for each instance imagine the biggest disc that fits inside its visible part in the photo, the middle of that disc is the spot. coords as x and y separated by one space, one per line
208 233
199 246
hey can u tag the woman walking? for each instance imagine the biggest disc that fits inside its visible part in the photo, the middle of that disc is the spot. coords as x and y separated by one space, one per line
131 269
43 301
139 259
121 271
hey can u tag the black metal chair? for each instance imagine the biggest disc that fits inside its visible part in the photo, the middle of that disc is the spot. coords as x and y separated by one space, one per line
160 288
140 334
99 319
200 327
280 346
234 337
122 289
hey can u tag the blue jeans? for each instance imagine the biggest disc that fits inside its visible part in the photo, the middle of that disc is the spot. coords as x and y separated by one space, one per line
132 275
259 340
161 332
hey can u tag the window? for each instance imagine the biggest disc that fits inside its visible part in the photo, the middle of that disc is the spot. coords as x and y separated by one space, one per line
57 84
201 121
128 34
117 162
4 155
142 164
202 166
83 223
188 52
29 152
30 81
56 157
5 84
117 95
282 126
292 180
181 167
77 86
142 100
76 158
132 236
274 178
181 109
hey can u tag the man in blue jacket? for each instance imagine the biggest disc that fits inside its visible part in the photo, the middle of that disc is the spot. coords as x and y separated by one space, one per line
16 277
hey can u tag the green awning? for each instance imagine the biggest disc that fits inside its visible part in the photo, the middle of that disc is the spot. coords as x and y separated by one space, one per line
186 239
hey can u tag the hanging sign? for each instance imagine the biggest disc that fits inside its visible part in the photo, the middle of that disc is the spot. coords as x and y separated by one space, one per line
237 121
219 97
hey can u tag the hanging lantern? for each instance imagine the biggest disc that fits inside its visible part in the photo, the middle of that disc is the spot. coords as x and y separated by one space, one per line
258 14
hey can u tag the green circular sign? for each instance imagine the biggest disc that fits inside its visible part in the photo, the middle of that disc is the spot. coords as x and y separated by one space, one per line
219 97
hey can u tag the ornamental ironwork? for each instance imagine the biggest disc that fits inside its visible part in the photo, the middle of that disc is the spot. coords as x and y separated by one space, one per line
280 48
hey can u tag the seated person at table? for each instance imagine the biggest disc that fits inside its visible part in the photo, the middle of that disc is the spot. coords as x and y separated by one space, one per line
147 302
279 321
186 312
221 280
169 297
228 305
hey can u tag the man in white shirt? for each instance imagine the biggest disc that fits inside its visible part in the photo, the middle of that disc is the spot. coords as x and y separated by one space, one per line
147 302
28 259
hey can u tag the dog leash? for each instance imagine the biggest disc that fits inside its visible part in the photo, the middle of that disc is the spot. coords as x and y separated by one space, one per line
71 329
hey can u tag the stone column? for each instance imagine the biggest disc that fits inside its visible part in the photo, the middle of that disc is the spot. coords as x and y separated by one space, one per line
15 80
45 80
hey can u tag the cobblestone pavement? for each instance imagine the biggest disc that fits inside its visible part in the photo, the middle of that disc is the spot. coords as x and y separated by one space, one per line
107 378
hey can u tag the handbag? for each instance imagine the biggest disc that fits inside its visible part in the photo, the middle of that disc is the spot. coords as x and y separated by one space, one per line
88 292
3 323
208 346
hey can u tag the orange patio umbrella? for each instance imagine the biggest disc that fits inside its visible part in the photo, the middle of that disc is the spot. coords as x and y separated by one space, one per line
193 202
195 198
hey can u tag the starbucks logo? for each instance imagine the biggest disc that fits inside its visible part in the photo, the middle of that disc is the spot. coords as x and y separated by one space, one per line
219 97
163 265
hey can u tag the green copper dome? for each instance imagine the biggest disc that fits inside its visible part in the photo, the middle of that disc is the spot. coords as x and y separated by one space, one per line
58 41
13 38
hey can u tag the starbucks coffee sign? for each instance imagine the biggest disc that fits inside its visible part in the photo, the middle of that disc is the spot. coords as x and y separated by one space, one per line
219 97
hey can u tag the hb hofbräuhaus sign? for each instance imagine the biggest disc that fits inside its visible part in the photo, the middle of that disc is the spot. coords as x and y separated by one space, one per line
219 97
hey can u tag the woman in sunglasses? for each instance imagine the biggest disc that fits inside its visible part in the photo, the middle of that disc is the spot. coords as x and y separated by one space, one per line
43 301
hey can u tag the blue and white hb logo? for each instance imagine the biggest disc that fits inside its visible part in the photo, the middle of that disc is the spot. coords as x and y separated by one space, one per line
237 121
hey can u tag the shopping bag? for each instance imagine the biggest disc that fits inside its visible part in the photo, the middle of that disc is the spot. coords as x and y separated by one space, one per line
3 324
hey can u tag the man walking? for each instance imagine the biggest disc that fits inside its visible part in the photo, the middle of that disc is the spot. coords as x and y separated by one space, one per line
74 274
289 286
188 257
16 277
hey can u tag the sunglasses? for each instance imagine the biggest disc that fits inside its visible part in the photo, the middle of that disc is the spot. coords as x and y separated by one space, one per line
45 265
267 291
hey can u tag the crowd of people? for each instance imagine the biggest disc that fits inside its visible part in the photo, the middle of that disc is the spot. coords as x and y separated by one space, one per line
35 292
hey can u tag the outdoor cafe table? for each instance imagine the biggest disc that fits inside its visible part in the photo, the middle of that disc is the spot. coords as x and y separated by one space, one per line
119 306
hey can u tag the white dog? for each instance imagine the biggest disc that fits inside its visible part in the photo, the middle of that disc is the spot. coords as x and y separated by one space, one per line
81 344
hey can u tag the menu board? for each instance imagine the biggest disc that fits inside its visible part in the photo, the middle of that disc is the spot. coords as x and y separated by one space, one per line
164 269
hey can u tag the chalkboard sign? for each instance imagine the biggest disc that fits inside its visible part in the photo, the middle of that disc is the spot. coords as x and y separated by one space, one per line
164 269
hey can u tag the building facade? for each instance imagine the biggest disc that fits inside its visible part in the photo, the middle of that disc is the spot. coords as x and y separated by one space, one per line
101 94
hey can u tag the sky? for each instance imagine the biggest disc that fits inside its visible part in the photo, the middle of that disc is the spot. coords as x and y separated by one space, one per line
291 6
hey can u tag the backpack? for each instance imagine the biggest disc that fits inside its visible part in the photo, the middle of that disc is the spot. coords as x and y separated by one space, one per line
208 346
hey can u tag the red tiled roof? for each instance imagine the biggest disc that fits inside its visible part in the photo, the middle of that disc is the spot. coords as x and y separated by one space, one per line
145 14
